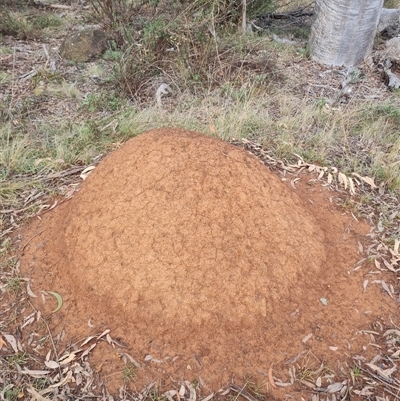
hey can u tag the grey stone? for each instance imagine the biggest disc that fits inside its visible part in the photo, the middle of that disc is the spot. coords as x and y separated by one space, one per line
393 49
84 45
388 17
390 32
391 79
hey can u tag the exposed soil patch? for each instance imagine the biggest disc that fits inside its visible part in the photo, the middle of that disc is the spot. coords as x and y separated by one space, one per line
190 250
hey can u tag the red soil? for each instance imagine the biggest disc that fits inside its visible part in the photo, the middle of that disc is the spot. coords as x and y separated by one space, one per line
184 245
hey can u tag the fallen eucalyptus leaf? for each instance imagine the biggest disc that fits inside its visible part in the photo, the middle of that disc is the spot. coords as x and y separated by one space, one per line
208 398
2 342
68 358
368 180
386 288
389 266
85 173
271 378
85 353
12 341
282 384
182 391
88 340
192 391
384 373
29 291
170 394
59 299
35 373
352 187
132 360
103 333
52 364
334 388
342 179
63 381
391 332
35 395
28 321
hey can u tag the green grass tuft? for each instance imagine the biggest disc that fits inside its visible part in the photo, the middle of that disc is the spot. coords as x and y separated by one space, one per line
129 372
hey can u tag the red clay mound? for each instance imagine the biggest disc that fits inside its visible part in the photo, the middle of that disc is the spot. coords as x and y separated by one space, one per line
191 231
187 246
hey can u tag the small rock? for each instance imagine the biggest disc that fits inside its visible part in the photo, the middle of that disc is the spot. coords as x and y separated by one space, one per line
393 49
388 17
391 32
391 79
84 45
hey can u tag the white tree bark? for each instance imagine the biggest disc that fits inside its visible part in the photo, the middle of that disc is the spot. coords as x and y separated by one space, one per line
343 31
244 17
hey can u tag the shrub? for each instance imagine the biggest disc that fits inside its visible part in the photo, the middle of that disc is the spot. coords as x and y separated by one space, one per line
178 43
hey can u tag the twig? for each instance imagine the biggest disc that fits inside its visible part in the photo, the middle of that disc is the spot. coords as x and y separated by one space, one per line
30 239
47 55
62 174
380 379
48 330
13 80
242 392
61 6
216 40
6 211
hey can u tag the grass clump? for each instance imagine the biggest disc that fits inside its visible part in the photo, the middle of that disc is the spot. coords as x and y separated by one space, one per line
102 101
5 78
112 55
388 111
391 4
26 25
129 372
5 246
20 358
64 90
12 393
257 390
14 284
357 372
155 395
5 49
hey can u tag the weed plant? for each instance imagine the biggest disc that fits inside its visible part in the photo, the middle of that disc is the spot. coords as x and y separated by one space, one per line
129 372
180 44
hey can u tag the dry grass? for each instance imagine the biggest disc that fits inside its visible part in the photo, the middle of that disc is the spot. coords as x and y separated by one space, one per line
30 25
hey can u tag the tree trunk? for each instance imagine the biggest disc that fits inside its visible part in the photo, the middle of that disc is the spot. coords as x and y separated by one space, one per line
343 31
244 17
